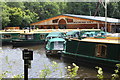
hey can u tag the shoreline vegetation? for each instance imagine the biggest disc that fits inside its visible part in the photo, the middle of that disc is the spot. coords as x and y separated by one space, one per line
71 73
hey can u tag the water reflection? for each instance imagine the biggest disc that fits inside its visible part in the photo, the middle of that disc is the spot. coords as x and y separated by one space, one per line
13 63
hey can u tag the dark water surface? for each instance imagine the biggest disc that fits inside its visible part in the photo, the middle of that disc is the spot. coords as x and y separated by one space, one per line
13 63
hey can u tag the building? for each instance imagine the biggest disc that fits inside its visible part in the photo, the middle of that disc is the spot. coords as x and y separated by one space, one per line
70 21
12 28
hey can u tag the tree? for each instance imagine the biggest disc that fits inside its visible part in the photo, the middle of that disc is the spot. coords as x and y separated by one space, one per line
80 8
24 13
4 14
46 9
16 14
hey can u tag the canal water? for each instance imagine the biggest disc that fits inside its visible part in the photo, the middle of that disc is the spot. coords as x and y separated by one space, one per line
13 65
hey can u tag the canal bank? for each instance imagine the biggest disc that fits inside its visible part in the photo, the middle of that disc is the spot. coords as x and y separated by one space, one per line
13 63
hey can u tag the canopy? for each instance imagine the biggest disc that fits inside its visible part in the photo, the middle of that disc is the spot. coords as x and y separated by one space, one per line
55 34
71 32
57 39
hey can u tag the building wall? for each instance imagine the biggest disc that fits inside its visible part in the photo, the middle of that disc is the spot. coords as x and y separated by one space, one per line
85 26
71 23
12 27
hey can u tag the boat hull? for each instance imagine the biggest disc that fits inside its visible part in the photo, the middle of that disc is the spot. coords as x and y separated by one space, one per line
6 42
26 43
85 53
53 53
90 62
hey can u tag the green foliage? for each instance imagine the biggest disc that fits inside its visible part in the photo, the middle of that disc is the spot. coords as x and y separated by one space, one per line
100 73
72 71
3 75
4 14
18 76
15 14
81 8
19 17
47 71
115 75
6 58
24 13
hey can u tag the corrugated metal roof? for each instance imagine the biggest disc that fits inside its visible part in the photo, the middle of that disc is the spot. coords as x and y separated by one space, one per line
110 20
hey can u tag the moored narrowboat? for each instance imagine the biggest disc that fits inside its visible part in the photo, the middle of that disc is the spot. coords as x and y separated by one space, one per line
7 37
73 34
52 35
103 52
27 39
92 33
55 46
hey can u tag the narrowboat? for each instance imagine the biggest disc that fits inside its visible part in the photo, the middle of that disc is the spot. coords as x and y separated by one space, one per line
92 33
84 33
54 35
55 46
103 52
73 34
27 39
7 37
87 34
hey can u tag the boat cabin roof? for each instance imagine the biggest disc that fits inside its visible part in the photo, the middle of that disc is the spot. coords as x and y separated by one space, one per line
113 40
71 32
27 33
57 39
87 33
114 35
8 32
56 34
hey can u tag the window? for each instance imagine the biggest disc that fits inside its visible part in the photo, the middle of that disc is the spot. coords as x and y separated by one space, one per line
69 20
29 37
0 36
6 36
58 45
22 36
42 37
101 50
55 21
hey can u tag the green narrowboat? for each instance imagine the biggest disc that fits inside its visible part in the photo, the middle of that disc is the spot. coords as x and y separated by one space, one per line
7 37
55 46
27 39
103 52
54 35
